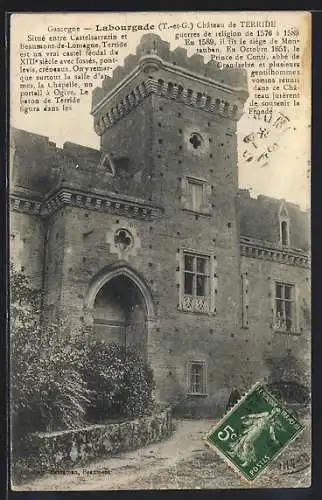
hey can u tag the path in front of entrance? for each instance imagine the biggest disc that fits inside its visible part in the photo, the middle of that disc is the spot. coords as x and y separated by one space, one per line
181 462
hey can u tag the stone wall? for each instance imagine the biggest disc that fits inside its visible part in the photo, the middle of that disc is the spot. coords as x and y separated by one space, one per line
54 451
27 237
263 340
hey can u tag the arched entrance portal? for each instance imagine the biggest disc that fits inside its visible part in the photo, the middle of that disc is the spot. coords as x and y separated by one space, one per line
120 314
122 308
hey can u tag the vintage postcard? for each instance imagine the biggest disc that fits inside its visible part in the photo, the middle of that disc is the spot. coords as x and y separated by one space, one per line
160 309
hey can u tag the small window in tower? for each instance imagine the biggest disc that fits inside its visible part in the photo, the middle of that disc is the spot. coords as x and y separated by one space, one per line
195 192
196 195
107 164
196 140
284 225
284 232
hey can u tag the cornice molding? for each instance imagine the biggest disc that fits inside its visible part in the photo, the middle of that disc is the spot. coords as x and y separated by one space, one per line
168 90
258 249
127 207
153 62
25 205
132 208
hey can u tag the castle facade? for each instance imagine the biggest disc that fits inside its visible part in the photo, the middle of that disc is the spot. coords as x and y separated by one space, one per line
149 240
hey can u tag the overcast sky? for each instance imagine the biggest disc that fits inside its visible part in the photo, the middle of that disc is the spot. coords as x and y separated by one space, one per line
284 176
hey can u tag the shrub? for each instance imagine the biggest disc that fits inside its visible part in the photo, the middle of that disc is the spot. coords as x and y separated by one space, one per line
120 380
47 390
289 378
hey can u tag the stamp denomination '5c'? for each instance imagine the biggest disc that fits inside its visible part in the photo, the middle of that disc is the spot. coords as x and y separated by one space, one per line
254 433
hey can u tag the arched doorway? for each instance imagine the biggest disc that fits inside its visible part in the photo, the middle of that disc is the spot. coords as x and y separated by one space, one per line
121 307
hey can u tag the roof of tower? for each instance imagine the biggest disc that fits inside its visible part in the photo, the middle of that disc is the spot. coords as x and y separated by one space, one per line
152 48
259 219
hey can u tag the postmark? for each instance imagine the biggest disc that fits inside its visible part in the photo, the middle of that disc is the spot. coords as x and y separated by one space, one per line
263 140
254 432
294 464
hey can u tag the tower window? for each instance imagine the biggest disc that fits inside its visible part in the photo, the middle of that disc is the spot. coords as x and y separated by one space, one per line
197 282
195 140
196 195
284 232
107 164
284 222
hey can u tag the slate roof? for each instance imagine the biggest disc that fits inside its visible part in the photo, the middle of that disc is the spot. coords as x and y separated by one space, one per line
259 219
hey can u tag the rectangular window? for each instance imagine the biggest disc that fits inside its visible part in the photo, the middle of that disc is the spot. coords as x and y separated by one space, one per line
284 233
195 195
284 306
196 283
196 275
197 379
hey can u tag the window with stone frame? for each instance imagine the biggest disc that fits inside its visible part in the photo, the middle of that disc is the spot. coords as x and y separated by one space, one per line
196 295
197 378
284 232
196 195
284 307
284 222
108 164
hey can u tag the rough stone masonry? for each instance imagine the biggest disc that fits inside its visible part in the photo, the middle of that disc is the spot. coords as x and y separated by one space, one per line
150 240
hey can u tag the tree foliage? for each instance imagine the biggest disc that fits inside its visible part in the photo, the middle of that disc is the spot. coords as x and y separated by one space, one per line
47 389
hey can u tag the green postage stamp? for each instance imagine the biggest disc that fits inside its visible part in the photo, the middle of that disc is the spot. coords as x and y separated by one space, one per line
254 432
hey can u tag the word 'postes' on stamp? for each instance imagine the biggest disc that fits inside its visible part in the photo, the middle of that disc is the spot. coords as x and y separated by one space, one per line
254 432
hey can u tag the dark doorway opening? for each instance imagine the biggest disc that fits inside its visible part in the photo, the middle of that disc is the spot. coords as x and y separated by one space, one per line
120 314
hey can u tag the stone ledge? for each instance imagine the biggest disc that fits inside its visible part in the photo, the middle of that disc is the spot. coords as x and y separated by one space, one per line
126 206
168 90
258 249
54 451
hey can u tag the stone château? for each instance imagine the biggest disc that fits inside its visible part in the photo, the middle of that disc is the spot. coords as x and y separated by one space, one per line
150 241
